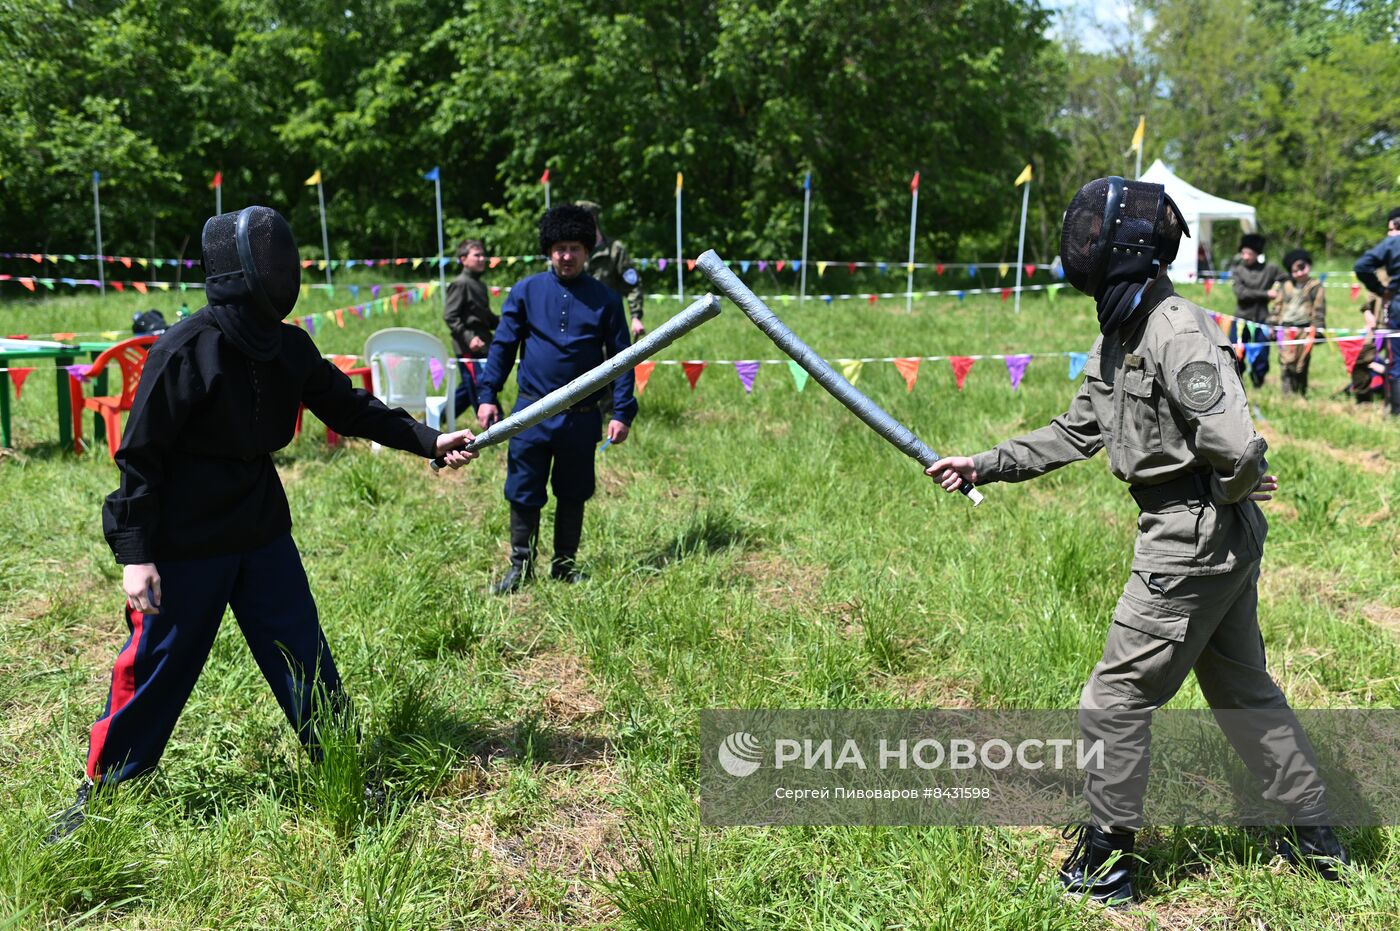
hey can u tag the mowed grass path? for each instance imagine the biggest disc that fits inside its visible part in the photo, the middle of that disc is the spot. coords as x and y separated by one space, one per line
745 551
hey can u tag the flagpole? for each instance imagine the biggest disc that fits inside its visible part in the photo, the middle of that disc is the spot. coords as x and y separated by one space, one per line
219 197
546 194
806 213
97 217
913 225
680 255
1021 245
442 264
1138 172
325 237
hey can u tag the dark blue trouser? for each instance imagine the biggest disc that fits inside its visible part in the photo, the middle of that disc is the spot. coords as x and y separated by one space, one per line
566 441
466 389
157 668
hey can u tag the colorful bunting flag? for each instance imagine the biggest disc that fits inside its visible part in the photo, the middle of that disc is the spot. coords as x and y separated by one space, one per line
1005 294
642 374
1077 361
909 368
1350 348
437 371
747 372
17 377
821 268
961 366
851 370
799 375
1209 284
692 372
1355 291
1016 368
1002 269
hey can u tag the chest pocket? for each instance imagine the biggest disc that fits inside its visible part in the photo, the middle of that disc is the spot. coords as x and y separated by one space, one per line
1138 424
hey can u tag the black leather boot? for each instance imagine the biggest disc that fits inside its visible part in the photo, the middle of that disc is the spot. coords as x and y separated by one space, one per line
71 818
524 531
1088 870
1316 847
568 528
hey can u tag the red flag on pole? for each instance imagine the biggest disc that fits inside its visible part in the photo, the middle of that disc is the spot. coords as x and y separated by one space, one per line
914 185
544 178
218 180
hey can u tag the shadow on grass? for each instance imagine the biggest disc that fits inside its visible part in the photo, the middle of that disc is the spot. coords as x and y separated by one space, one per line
707 532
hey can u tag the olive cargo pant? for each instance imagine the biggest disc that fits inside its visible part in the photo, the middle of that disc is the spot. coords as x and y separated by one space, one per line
1163 627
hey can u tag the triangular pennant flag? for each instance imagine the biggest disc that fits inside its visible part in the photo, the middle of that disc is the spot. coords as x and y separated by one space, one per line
1350 348
126 260
495 290
961 366
1052 290
939 268
1252 351
821 268
140 286
311 325
143 263
744 266
851 370
961 294
763 265
1209 284
1076 363
340 318
827 298
872 298
495 260
436 370
799 375
17 377
1005 294
1002 269
355 291
1016 368
1312 336
1355 291
1223 322
64 337
77 372
29 283
747 372
1030 271
909 368
116 284
642 374
972 271
110 334
690 265
780 264
796 265
661 264
692 372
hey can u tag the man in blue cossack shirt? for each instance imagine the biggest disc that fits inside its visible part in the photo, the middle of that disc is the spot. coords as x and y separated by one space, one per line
1386 254
561 323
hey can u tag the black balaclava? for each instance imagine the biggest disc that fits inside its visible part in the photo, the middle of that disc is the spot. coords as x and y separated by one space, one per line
1115 240
252 277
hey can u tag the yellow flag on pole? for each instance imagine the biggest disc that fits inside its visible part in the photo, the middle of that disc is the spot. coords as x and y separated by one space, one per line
1024 176
316 178
679 182
1138 134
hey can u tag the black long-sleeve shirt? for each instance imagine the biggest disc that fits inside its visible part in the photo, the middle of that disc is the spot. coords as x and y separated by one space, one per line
197 478
467 313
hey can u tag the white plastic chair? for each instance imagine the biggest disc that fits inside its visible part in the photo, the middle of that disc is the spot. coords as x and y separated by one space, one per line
400 370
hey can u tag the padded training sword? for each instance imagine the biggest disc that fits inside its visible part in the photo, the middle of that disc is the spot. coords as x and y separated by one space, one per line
867 410
707 308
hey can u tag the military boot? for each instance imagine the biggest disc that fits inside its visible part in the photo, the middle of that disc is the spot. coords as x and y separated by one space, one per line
524 531
1316 847
1088 871
568 528
71 818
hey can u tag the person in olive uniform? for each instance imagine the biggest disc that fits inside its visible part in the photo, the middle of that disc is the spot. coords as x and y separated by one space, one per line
467 313
1256 284
611 264
1160 396
1301 304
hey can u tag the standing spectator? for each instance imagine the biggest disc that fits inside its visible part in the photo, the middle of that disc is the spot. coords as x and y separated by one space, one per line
610 263
469 318
561 323
1256 284
1301 303
1386 255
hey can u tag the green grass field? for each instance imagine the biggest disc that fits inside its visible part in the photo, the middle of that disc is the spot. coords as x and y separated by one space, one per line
744 551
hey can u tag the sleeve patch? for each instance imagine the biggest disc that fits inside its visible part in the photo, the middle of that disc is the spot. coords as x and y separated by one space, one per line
1198 385
630 277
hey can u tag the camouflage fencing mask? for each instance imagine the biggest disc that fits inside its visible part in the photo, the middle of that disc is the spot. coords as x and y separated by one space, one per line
252 277
1117 235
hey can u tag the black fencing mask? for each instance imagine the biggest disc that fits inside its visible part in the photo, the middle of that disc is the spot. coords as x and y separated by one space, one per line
252 277
1117 234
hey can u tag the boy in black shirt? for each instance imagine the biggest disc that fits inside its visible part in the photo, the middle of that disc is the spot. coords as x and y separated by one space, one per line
200 520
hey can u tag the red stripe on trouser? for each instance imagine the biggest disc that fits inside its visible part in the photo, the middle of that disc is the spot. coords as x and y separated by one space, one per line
123 688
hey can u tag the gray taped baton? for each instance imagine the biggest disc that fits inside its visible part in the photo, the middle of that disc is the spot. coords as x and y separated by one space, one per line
594 380
821 371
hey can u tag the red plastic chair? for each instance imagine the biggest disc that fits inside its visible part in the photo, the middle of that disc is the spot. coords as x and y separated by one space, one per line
346 364
130 355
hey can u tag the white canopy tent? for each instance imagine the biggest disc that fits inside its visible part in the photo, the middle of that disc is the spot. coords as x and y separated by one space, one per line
1200 210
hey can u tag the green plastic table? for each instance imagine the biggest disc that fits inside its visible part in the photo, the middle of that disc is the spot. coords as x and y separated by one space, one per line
62 355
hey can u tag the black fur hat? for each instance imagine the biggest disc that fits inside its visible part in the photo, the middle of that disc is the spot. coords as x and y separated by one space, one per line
1252 241
567 223
1296 255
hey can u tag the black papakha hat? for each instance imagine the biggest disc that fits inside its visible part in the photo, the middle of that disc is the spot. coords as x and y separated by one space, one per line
567 223
1296 255
1252 241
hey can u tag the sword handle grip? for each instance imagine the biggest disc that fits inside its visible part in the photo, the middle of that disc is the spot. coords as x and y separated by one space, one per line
971 491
